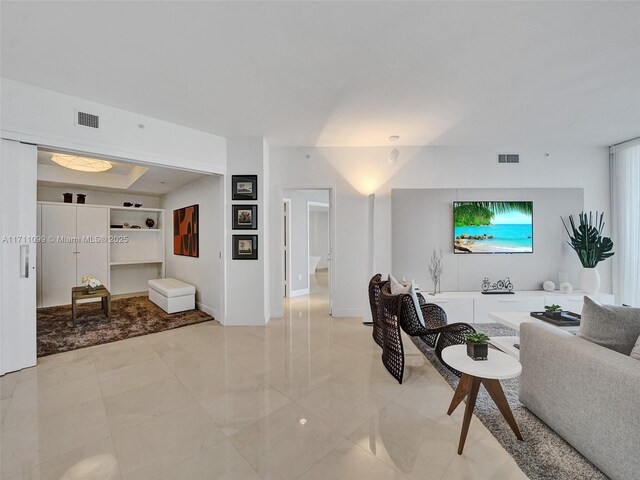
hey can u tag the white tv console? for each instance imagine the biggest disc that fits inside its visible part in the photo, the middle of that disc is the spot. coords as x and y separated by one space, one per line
474 307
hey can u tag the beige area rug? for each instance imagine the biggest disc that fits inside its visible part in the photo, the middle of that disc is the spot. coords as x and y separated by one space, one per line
130 317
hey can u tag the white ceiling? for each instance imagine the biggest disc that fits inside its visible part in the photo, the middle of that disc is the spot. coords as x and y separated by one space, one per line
345 73
122 177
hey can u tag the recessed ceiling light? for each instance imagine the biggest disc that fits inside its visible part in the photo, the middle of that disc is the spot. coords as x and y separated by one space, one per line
394 138
303 421
81 164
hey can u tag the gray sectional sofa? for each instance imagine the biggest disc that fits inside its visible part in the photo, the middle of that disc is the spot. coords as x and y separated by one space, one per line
588 394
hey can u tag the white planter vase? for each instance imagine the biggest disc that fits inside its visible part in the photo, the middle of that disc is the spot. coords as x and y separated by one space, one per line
589 280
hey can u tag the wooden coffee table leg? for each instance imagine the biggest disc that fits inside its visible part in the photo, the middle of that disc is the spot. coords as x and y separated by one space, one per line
463 388
497 394
109 306
468 411
73 311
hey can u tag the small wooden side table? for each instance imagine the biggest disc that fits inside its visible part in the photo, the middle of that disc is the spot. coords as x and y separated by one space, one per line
499 366
82 293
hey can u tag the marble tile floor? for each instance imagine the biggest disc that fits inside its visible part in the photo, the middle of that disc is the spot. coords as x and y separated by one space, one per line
305 397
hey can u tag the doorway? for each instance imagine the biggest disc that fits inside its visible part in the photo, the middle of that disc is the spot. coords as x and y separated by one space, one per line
307 245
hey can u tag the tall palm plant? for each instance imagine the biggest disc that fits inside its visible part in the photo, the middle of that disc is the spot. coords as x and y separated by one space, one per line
587 240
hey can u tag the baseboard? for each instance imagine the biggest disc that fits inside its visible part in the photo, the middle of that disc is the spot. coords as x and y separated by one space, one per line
299 293
347 312
206 309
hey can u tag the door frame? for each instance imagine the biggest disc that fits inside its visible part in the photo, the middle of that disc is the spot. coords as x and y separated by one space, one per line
333 254
286 242
315 204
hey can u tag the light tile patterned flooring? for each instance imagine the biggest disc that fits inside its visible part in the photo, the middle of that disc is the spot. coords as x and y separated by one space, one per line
306 398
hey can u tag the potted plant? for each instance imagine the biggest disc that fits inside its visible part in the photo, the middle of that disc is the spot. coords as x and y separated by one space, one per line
91 283
477 345
587 241
553 311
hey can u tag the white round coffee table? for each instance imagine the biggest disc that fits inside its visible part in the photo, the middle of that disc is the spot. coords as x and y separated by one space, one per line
498 366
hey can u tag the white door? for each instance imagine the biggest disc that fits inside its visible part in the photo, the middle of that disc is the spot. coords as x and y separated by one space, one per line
18 189
93 250
58 260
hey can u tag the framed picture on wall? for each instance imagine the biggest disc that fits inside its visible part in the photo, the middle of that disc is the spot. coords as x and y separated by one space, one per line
245 217
185 231
244 187
245 247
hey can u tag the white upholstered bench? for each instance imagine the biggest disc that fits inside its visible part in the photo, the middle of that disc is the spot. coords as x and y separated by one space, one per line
172 295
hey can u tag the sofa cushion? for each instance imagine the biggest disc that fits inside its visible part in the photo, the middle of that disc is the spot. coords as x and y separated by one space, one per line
613 327
635 353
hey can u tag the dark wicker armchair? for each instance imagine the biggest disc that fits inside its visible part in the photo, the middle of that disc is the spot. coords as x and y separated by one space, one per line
375 284
436 332
387 318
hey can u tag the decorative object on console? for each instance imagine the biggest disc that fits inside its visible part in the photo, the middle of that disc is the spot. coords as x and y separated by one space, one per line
150 222
67 197
128 204
587 241
500 287
548 286
245 217
244 187
91 283
185 231
566 287
477 345
81 198
135 227
435 270
245 247
138 205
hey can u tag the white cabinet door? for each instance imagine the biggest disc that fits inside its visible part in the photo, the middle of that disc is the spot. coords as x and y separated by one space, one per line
18 180
505 303
58 254
457 309
93 249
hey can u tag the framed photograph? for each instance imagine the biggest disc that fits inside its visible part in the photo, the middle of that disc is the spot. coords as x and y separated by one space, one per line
244 187
245 247
245 217
185 231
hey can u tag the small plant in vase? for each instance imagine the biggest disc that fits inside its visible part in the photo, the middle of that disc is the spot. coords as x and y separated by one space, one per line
553 311
591 246
477 345
91 283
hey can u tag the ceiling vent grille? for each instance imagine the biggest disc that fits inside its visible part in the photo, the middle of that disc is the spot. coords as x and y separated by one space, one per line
508 158
87 120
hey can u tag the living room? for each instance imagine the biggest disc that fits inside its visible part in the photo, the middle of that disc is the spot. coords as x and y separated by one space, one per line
397 112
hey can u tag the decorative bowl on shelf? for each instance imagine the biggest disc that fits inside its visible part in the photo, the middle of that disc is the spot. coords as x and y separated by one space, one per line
150 222
128 204
138 205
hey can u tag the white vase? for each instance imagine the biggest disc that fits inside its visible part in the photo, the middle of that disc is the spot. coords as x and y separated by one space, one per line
589 280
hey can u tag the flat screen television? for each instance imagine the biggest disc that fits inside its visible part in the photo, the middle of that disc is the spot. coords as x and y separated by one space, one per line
493 227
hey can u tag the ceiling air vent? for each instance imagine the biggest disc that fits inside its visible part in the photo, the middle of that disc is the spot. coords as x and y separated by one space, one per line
87 119
508 158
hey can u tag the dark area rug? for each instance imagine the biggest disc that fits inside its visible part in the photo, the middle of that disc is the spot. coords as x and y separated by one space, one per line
543 455
130 317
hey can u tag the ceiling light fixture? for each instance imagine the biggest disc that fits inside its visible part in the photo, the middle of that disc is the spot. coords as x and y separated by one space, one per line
394 155
394 138
81 164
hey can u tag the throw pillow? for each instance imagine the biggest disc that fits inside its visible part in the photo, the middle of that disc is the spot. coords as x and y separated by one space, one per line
611 326
635 353
398 288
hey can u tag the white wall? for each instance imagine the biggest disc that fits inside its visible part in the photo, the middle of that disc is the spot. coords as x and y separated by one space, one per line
319 235
359 172
46 118
246 280
94 197
205 271
422 219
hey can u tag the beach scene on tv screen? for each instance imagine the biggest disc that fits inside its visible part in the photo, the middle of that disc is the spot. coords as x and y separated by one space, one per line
493 227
